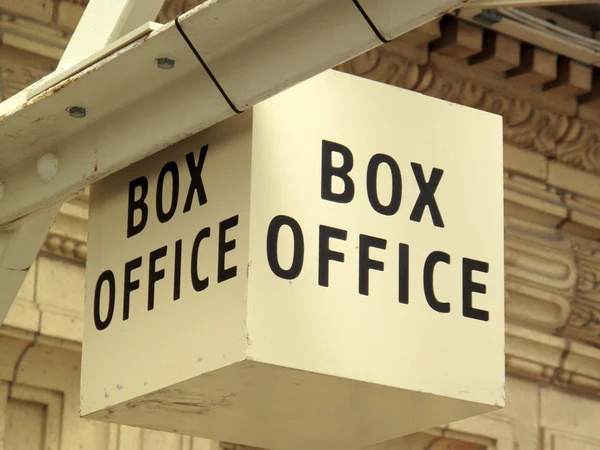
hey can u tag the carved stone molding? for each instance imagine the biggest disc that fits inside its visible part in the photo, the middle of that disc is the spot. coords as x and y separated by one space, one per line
540 273
566 139
65 247
584 322
552 277
550 359
68 236
552 267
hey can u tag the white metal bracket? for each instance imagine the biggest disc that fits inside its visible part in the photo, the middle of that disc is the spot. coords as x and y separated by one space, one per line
99 33
56 77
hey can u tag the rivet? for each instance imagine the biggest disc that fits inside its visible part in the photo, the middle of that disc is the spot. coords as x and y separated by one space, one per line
47 166
1 189
165 63
78 112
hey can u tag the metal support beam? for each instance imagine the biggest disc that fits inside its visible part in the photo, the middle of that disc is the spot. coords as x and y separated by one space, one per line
103 22
19 245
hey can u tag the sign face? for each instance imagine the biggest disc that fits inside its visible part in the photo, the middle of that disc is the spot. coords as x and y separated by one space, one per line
325 270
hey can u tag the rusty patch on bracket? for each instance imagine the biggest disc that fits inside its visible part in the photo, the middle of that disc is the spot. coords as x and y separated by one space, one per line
51 91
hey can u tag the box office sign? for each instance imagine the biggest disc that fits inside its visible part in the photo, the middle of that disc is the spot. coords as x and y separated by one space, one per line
323 271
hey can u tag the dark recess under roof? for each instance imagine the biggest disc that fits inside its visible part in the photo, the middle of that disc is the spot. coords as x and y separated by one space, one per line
586 14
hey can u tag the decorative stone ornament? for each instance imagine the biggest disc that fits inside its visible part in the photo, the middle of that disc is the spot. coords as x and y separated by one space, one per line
319 272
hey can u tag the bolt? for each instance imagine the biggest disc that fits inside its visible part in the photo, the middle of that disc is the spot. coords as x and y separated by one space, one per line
78 112
47 166
165 63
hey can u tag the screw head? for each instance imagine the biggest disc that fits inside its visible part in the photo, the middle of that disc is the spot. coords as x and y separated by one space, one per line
165 63
78 112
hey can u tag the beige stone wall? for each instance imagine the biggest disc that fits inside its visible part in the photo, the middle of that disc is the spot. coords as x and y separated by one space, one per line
552 208
39 403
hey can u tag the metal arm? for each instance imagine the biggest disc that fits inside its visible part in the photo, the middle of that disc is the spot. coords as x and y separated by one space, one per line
103 21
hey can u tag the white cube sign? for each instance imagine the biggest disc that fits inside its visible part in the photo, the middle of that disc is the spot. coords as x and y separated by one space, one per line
323 271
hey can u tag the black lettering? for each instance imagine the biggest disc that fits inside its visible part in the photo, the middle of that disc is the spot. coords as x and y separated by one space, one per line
470 286
372 169
224 274
430 262
426 196
139 204
109 277
196 183
365 263
326 254
272 247
403 274
130 285
177 271
342 172
197 283
154 275
170 167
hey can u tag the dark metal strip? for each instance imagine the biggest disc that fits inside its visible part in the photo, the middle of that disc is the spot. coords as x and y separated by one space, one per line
210 74
370 22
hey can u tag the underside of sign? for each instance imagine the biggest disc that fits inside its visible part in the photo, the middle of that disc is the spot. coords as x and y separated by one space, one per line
319 271
270 406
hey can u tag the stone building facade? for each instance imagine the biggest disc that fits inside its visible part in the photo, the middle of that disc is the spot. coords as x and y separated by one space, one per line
552 256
